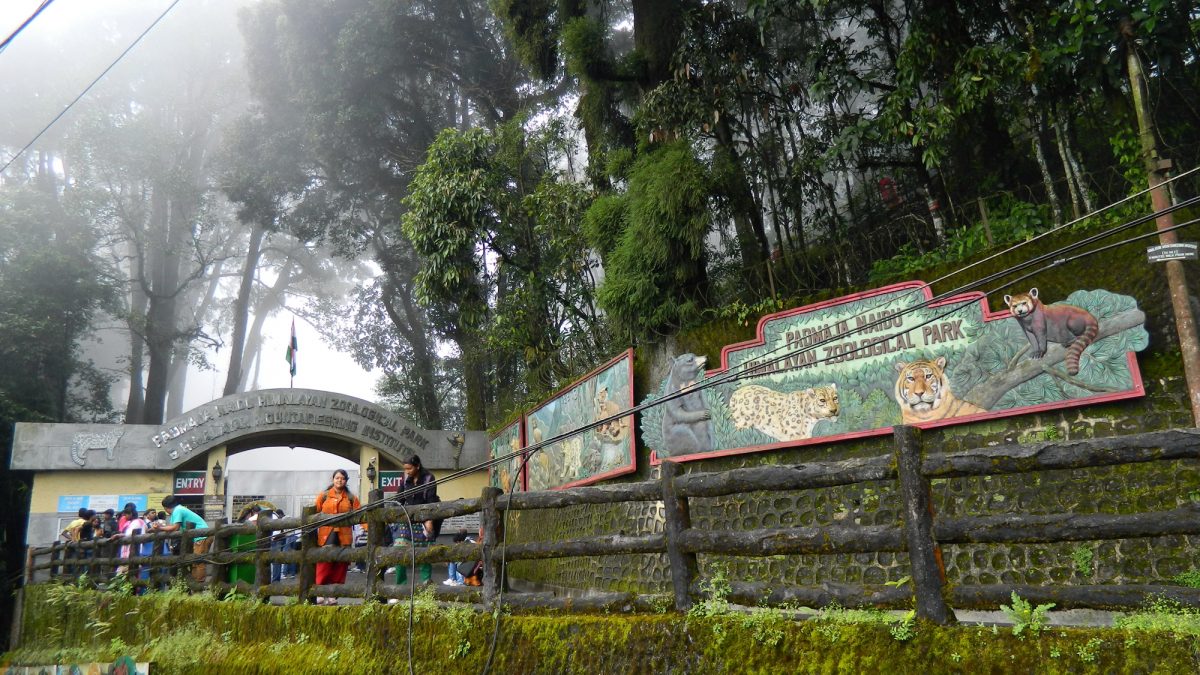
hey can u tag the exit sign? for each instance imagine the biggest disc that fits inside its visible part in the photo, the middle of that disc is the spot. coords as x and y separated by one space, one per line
390 481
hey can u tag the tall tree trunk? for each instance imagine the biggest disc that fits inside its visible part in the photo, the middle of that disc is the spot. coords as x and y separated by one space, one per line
1035 130
136 402
656 28
161 331
271 300
241 311
747 216
1072 161
1072 187
177 388
473 364
409 321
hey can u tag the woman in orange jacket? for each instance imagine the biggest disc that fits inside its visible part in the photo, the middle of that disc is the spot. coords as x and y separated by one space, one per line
336 499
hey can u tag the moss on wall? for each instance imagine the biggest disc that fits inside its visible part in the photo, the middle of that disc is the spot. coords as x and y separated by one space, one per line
182 635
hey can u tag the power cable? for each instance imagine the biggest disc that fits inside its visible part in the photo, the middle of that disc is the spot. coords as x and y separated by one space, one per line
89 87
26 22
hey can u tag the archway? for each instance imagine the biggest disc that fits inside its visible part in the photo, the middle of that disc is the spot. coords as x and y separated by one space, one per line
82 464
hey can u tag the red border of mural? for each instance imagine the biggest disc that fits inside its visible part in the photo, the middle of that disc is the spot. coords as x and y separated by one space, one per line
1137 391
633 435
520 422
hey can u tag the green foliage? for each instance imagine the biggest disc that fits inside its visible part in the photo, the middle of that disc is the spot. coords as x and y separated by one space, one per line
655 277
1162 615
1083 557
1011 220
1190 578
1089 651
767 626
904 629
716 589
749 314
1026 617
204 636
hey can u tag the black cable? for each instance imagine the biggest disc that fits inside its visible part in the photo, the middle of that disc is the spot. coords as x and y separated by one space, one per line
412 583
89 87
15 33
502 577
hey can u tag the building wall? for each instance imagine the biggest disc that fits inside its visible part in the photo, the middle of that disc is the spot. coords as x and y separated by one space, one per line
48 486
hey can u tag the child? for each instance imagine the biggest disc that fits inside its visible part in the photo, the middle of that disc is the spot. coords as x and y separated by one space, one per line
455 577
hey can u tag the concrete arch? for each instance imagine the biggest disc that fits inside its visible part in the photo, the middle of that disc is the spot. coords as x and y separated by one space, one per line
322 420
78 460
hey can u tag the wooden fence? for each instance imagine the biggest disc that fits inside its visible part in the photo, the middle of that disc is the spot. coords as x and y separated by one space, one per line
921 533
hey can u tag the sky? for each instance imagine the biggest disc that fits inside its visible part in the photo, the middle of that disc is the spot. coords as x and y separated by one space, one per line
319 366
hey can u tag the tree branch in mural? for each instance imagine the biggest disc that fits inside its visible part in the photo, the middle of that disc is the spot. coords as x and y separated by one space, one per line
987 393
685 427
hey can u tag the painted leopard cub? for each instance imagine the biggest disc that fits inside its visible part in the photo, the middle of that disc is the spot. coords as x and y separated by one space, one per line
784 417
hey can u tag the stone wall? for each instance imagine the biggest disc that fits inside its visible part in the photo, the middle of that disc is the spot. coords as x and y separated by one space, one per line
1124 489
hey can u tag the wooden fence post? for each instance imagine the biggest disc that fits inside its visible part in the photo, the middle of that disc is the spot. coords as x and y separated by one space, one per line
490 517
377 527
29 559
187 547
55 557
218 546
925 556
262 546
155 579
308 540
678 519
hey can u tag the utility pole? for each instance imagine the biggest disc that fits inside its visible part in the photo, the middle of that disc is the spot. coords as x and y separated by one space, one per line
1156 169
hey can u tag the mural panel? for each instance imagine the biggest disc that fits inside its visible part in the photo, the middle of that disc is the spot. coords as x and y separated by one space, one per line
505 475
594 455
858 365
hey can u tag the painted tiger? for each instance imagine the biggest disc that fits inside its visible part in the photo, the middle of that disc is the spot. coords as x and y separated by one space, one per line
786 417
923 392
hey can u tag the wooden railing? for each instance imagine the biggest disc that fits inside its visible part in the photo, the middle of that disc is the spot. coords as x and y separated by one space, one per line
921 533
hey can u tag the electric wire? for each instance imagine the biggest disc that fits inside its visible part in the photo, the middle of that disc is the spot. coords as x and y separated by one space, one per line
527 452
26 22
89 87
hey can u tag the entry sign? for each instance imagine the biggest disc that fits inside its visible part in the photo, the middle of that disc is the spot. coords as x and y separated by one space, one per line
189 482
1184 250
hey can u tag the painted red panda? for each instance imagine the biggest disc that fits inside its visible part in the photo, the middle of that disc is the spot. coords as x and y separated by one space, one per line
1068 325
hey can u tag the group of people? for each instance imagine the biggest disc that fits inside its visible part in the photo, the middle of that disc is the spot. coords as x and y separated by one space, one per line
108 525
419 487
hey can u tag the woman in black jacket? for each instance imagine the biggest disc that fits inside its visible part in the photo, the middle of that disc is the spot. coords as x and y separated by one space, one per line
419 487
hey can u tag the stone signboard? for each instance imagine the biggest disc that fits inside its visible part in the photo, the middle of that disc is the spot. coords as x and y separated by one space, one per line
509 440
593 455
856 366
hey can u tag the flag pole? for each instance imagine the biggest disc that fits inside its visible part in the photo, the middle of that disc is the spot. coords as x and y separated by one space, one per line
292 348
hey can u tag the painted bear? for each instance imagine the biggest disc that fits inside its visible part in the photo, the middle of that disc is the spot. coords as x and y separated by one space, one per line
685 426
